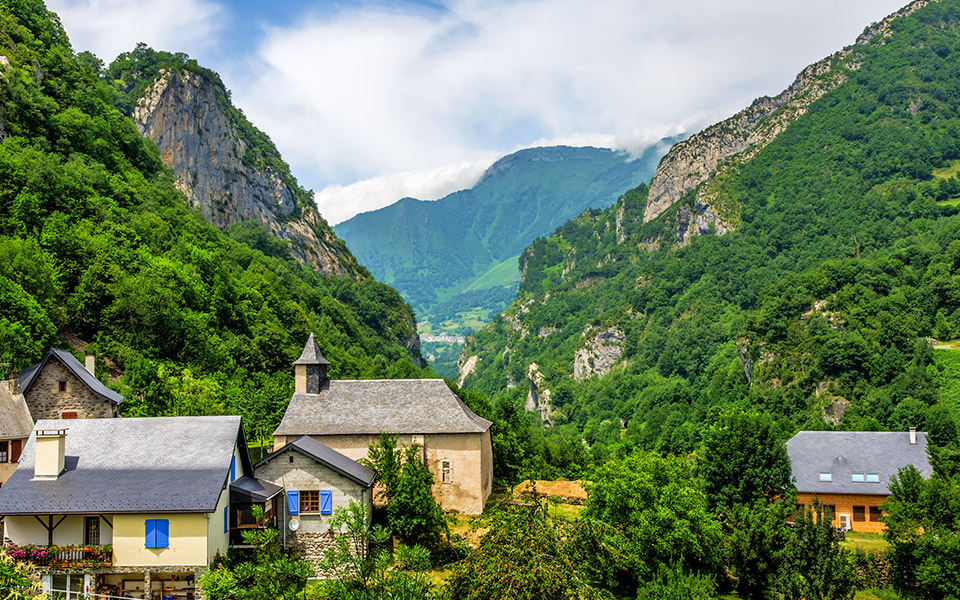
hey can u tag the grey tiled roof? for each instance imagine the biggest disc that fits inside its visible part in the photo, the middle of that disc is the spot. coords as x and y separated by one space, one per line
29 375
369 406
311 354
15 419
843 453
159 465
251 489
328 457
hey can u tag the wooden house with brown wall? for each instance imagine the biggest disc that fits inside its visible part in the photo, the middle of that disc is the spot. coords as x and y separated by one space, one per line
849 471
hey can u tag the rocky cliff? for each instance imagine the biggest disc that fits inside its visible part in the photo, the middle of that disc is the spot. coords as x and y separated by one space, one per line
737 139
190 118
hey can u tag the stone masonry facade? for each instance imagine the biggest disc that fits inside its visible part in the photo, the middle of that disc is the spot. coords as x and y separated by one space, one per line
46 401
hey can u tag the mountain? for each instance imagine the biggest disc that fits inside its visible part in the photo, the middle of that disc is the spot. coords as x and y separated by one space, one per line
100 251
796 259
230 170
433 252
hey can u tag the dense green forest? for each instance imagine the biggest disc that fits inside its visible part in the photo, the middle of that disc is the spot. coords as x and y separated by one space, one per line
98 248
819 308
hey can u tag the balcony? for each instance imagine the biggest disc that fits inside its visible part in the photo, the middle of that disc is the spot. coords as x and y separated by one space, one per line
63 556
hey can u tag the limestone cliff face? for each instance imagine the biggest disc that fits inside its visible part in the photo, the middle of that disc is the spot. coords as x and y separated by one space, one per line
185 114
737 139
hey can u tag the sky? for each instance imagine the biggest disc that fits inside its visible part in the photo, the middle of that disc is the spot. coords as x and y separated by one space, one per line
373 100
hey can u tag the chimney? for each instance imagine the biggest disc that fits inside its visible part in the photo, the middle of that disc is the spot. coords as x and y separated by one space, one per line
90 362
48 460
310 370
14 382
913 435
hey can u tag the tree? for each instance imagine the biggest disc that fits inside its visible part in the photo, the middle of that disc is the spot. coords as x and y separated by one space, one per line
671 583
814 565
412 512
744 460
17 581
359 567
755 537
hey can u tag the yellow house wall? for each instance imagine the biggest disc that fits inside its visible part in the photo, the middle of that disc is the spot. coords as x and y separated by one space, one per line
470 456
188 540
218 540
7 468
26 530
844 505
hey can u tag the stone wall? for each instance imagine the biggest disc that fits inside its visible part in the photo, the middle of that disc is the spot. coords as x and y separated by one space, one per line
311 546
46 401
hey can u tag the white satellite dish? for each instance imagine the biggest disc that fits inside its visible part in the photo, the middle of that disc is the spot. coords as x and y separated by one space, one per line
293 524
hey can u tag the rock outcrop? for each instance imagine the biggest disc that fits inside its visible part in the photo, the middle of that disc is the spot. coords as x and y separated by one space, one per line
599 354
737 139
189 118
538 397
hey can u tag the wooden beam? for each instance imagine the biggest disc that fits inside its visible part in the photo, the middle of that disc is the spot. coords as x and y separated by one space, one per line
107 521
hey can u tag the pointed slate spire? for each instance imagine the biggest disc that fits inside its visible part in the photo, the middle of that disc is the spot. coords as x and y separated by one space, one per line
310 370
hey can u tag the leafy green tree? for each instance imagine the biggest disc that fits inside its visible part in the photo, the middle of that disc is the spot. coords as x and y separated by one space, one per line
814 565
359 566
744 460
755 538
17 580
661 510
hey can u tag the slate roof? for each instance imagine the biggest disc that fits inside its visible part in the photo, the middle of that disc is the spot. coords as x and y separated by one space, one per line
251 489
15 419
156 465
311 354
369 406
328 457
843 453
29 375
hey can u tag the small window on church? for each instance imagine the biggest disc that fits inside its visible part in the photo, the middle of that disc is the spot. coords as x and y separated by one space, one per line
446 475
62 386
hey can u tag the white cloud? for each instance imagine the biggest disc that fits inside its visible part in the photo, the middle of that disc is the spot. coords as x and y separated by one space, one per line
109 27
340 202
373 89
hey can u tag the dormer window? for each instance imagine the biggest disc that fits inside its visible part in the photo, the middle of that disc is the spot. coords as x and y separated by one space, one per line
873 477
826 476
858 478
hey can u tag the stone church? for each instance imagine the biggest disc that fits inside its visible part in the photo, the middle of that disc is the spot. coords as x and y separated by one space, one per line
348 416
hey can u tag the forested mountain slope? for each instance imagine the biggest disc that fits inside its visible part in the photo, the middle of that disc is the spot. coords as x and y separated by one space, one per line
227 168
432 251
803 276
99 249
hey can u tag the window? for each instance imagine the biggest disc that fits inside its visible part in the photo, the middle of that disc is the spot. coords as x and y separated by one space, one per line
826 476
91 531
446 475
326 502
873 477
875 513
4 455
62 386
859 514
16 446
857 477
68 414
309 501
226 518
293 502
157 533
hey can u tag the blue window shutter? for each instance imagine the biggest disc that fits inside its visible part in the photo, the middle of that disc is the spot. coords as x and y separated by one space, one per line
233 469
326 502
150 533
163 533
293 502
226 518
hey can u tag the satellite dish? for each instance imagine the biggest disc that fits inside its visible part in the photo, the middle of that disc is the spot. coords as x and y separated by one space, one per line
293 524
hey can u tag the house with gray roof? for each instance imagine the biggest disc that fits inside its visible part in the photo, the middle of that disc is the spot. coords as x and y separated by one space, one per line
348 416
15 427
849 471
60 387
316 480
151 500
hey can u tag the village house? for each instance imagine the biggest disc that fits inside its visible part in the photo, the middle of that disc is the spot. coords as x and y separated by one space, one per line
130 507
348 416
317 480
15 427
59 387
849 471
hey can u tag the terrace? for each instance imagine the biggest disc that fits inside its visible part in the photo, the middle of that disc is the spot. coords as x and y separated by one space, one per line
88 556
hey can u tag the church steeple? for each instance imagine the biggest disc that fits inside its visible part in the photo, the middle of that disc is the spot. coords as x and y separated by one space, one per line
310 370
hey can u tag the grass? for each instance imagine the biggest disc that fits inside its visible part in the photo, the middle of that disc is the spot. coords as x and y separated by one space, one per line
869 542
952 170
503 274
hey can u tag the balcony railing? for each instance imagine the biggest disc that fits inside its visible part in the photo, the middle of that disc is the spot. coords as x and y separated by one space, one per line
63 556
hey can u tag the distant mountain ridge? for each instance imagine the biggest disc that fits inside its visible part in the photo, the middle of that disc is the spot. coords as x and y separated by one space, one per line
432 251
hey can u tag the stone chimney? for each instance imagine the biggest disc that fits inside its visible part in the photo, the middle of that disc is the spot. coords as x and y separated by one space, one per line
310 370
913 435
90 362
14 382
48 462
